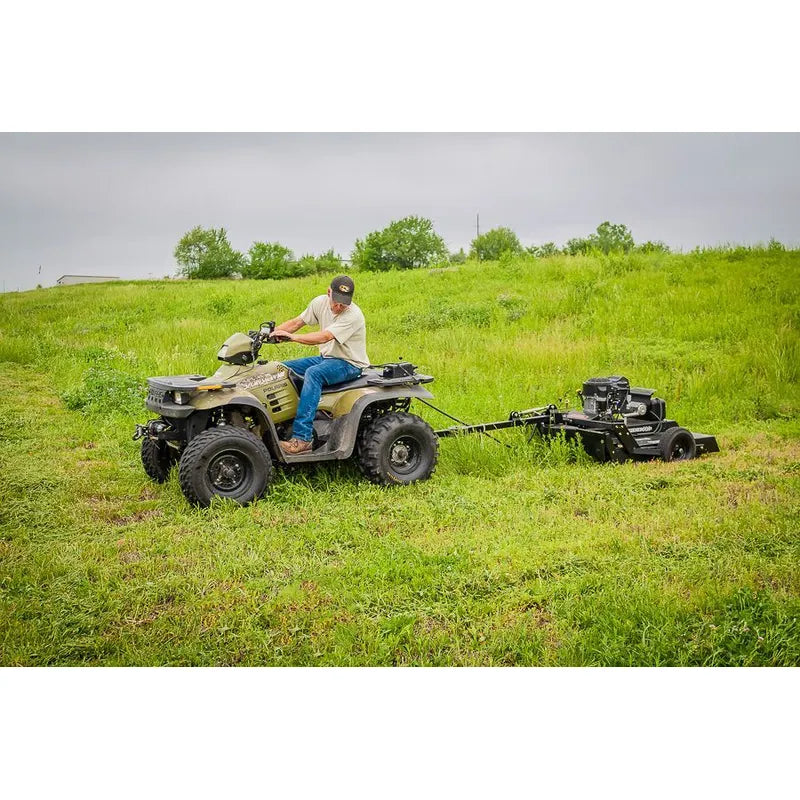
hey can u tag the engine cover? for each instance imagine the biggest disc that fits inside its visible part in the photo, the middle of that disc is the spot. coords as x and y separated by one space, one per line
603 397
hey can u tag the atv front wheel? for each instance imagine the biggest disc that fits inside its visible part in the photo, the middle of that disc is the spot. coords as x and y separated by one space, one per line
398 448
678 445
225 462
158 458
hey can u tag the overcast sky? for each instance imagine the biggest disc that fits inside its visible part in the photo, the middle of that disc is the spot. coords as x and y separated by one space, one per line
116 204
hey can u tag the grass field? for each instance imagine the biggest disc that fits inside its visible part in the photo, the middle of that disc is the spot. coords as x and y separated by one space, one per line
524 555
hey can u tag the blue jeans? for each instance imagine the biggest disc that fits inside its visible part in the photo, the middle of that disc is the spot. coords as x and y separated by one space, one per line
317 372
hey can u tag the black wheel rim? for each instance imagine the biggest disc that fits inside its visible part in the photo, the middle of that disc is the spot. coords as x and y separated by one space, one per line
228 471
680 450
404 455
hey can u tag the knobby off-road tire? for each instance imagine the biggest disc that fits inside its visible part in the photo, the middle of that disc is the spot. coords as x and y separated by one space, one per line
678 445
158 458
398 449
225 462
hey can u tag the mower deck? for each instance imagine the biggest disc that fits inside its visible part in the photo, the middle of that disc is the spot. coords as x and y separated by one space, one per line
616 439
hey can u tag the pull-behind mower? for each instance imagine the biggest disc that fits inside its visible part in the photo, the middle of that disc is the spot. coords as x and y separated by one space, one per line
223 430
618 422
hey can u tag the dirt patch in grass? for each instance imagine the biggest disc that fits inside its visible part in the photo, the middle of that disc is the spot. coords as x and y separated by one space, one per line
760 492
138 516
130 556
103 509
532 616
147 619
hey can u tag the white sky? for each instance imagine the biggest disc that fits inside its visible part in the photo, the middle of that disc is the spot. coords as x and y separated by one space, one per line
116 204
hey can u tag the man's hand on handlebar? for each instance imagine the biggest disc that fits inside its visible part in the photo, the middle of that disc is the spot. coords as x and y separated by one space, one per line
281 336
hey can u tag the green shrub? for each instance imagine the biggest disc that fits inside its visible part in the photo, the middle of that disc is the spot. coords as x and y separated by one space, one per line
608 238
408 243
326 263
578 247
491 245
543 250
206 253
269 260
612 238
652 247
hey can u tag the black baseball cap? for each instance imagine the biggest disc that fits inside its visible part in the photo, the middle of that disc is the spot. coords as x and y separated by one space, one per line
342 289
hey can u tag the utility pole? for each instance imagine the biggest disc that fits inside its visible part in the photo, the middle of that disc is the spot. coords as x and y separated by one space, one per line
478 224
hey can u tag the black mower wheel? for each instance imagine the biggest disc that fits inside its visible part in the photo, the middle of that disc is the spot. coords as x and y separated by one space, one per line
678 445
225 462
398 449
158 459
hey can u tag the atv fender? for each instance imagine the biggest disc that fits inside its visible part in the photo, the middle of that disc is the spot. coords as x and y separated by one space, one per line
224 398
344 432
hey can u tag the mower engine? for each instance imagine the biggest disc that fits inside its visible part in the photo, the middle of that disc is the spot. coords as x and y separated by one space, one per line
613 397
605 397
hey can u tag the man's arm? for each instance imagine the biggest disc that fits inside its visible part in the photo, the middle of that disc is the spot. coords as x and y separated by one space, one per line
317 337
291 325
286 332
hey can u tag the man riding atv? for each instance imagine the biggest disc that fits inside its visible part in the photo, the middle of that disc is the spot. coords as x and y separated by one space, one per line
342 342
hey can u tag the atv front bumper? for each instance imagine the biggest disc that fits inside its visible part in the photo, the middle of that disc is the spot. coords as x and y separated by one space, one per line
153 429
161 402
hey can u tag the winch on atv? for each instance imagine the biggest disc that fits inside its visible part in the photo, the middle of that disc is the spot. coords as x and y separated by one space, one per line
223 431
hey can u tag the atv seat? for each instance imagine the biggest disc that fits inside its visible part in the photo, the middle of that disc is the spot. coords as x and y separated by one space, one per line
358 383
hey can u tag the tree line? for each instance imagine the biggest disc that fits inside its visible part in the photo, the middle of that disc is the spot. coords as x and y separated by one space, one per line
408 243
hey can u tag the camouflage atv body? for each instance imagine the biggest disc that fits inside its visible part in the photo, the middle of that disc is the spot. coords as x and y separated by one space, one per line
223 430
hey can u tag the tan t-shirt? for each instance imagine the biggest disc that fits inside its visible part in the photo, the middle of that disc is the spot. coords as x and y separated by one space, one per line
349 330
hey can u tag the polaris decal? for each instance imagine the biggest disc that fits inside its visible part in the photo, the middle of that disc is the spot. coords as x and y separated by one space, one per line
260 380
645 429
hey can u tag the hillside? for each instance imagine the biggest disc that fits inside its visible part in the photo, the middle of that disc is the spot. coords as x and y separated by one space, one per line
509 555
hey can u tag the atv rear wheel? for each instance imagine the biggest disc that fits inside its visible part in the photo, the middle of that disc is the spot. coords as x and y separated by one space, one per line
158 458
677 445
398 448
225 462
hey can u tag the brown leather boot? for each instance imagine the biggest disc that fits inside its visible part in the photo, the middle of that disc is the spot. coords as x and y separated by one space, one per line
295 446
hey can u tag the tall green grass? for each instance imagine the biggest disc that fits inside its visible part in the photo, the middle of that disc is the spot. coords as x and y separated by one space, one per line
514 553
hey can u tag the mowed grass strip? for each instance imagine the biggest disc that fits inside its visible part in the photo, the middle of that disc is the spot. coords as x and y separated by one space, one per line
521 554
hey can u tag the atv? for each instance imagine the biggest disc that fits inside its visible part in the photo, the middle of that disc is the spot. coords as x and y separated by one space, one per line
223 430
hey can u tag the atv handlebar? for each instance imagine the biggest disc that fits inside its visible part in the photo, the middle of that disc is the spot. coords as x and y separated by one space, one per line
262 335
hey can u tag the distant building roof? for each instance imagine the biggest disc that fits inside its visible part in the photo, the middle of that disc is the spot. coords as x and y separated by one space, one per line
86 278
113 277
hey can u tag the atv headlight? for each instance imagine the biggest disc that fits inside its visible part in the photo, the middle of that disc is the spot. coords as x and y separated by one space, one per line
182 398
